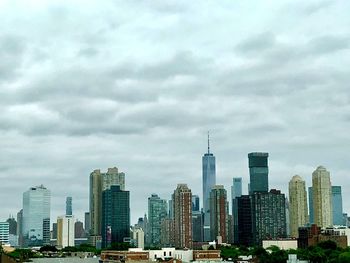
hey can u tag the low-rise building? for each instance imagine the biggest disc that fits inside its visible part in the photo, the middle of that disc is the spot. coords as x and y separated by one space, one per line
292 258
284 244
4 233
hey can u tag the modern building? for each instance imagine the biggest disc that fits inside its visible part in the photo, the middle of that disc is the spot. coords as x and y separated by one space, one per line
65 231
157 211
168 233
36 216
322 197
115 215
209 180
54 230
259 172
195 203
12 225
197 226
219 213
87 224
182 201
244 221
268 215
69 209
337 203
4 233
79 231
138 237
298 215
20 228
311 205
236 191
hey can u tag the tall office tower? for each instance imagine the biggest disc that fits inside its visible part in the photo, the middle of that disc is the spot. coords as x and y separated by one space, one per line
337 203
244 221
268 215
171 208
322 197
20 228
236 191
197 226
182 201
65 231
311 206
218 213
167 233
87 224
36 216
115 215
209 180
113 177
230 230
297 205
69 209
79 231
259 172
12 225
157 211
54 231
4 233
195 203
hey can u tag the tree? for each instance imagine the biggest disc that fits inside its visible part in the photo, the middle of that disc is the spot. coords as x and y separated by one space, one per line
344 257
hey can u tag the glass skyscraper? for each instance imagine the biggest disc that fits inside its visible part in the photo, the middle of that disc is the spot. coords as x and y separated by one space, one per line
36 216
337 206
195 203
259 172
236 191
209 180
69 211
157 211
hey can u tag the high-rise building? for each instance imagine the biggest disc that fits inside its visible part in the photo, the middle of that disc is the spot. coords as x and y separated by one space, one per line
195 203
69 209
337 202
157 211
115 215
79 231
219 213
322 197
138 237
311 206
244 221
209 180
36 216
54 230
4 233
98 183
197 226
12 225
268 215
182 201
20 228
65 231
168 233
297 205
87 224
259 172
236 191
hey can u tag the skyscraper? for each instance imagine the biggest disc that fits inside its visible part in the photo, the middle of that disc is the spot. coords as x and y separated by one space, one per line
157 211
115 215
182 201
65 231
236 191
4 233
219 213
244 221
259 172
36 216
20 228
69 211
195 203
87 224
322 197
209 180
297 205
79 231
337 206
311 206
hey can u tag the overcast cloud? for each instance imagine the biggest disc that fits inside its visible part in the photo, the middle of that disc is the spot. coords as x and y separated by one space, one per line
137 85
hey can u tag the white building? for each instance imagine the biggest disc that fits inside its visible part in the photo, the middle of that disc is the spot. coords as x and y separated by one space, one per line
284 244
4 233
65 231
138 237
339 231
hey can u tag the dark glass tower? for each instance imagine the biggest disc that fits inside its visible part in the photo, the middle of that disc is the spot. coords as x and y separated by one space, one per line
69 211
209 180
115 215
337 206
259 172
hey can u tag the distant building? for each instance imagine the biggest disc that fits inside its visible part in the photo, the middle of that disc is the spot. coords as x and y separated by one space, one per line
259 172
12 225
182 201
209 180
79 231
236 191
283 244
337 203
115 215
138 237
322 197
36 216
157 211
54 230
244 221
195 203
4 233
298 215
69 208
20 228
168 233
311 206
219 213
87 224
197 226
65 231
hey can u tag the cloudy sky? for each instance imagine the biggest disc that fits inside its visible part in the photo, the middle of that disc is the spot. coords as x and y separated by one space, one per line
137 85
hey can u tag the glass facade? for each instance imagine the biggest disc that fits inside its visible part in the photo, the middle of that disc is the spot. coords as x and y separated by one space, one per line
236 191
157 211
195 203
337 206
311 206
69 211
36 216
259 172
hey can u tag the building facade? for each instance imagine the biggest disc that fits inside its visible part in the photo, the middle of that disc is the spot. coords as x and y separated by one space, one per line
157 211
195 203
322 197
244 221
4 233
258 172
337 203
209 180
236 191
65 231
182 201
311 205
69 208
36 216
298 215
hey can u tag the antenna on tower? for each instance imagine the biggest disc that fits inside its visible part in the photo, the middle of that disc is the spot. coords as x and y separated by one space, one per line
208 143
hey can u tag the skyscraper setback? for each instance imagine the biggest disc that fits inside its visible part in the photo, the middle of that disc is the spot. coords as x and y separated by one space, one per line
209 180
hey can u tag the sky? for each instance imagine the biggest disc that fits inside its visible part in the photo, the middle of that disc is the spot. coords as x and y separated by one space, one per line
89 85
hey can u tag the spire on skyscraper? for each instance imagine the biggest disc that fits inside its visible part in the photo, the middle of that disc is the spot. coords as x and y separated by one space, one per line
208 143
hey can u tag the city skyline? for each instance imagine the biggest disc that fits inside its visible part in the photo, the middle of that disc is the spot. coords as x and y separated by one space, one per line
138 88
